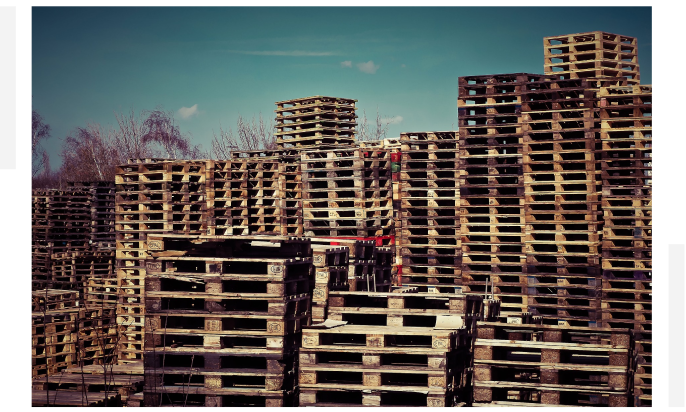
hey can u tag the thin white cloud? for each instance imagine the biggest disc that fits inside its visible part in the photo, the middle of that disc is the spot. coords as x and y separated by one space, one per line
347 63
295 53
188 112
392 120
368 67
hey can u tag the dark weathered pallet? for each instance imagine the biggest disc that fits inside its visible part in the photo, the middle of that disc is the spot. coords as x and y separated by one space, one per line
383 338
493 393
180 396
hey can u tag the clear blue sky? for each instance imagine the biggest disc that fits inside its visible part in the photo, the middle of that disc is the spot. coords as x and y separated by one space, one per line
90 62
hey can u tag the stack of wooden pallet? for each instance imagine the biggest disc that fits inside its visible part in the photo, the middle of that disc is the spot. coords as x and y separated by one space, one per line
91 275
317 121
389 349
430 245
389 143
152 196
102 212
223 319
562 199
93 385
244 196
492 187
347 193
75 270
378 191
592 54
100 288
358 274
77 322
383 269
288 189
54 317
546 365
227 197
331 274
60 222
626 136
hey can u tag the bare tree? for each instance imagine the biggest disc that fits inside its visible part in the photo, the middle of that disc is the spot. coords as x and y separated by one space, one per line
224 144
160 127
129 137
255 134
89 154
377 131
40 161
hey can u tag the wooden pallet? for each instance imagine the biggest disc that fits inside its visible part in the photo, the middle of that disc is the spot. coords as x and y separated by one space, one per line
551 364
175 396
334 396
380 338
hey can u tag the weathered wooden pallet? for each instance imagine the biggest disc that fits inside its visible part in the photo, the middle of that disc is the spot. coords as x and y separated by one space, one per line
327 256
220 324
405 302
175 396
191 342
340 396
357 377
581 377
248 246
225 381
215 286
333 277
540 334
174 302
532 394
433 273
381 338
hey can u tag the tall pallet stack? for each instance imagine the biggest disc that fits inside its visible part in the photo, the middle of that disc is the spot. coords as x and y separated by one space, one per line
289 186
244 196
492 187
393 147
60 222
223 320
389 349
152 196
347 193
227 197
314 122
102 212
592 55
626 137
430 244
562 202
546 365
